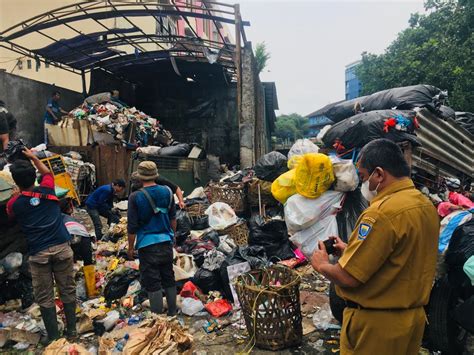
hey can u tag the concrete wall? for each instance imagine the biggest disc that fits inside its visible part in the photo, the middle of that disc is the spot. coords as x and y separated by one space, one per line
26 99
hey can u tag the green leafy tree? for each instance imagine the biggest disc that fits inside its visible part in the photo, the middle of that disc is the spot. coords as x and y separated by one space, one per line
291 127
262 56
437 49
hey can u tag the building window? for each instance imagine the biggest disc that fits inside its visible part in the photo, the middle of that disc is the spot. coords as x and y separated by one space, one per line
206 28
19 64
28 63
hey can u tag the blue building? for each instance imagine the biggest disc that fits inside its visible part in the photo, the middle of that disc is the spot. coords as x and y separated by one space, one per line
317 122
353 85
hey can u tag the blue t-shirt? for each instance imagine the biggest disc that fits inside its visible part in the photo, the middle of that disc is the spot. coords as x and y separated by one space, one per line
101 198
40 219
54 106
151 228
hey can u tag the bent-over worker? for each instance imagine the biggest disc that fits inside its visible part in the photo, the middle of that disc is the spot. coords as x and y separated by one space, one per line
386 270
100 203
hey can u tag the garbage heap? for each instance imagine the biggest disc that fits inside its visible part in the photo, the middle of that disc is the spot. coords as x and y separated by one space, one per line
122 122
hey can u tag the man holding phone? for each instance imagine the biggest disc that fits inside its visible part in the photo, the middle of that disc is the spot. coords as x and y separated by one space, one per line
385 272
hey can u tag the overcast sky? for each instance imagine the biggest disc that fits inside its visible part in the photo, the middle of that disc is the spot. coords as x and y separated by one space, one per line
311 41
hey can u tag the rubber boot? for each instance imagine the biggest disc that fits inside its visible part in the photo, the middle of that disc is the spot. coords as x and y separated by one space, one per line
89 277
170 293
70 313
156 301
50 322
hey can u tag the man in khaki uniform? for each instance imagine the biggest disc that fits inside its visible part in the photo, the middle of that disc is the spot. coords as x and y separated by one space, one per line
386 271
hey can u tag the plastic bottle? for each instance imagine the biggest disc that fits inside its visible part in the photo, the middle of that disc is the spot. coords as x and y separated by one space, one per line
121 344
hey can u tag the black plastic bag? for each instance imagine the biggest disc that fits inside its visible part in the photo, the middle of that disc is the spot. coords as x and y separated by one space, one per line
118 285
463 314
402 98
14 151
361 129
461 245
271 166
271 235
178 150
21 288
207 280
183 223
254 255
200 223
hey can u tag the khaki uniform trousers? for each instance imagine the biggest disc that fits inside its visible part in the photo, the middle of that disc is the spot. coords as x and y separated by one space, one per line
384 332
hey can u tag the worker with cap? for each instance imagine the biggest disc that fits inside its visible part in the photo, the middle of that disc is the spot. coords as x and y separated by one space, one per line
386 271
151 230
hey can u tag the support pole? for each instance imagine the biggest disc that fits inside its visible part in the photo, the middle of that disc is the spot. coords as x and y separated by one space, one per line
84 86
238 61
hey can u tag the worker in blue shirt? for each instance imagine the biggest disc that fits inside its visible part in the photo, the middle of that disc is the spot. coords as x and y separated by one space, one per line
53 112
100 203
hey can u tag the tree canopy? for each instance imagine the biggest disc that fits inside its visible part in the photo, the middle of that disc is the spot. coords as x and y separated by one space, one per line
436 49
262 56
291 127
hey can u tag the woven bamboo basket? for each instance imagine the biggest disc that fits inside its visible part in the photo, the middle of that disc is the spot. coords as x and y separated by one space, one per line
233 194
239 233
266 197
197 209
270 301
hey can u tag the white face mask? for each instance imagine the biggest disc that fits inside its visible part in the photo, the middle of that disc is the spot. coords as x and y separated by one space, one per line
365 189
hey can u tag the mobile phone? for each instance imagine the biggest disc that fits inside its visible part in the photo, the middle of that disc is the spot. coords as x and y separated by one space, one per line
329 244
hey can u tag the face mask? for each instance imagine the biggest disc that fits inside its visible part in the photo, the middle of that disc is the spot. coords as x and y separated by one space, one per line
365 190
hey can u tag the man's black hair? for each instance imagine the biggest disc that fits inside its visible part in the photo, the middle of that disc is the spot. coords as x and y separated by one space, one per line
23 173
385 154
119 182
55 92
2 103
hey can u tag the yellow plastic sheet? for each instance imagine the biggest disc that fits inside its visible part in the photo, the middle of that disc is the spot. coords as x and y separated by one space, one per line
284 186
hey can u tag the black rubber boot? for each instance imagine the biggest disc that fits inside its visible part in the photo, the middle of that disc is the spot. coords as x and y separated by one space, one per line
156 301
50 322
170 293
70 313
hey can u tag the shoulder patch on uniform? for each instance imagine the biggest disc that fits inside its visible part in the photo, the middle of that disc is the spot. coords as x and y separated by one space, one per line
364 230
369 219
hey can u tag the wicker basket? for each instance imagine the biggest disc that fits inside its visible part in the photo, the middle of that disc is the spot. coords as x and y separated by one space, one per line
231 193
239 233
197 209
270 301
266 196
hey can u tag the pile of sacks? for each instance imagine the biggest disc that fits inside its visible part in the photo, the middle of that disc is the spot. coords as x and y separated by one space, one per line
312 192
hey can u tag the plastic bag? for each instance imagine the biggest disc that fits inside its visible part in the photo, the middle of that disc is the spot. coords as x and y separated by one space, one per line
314 175
207 280
270 166
183 223
191 306
463 314
461 246
117 286
271 235
301 147
323 317
179 150
12 262
190 290
219 308
284 186
221 216
345 173
200 223
301 212
254 255
307 240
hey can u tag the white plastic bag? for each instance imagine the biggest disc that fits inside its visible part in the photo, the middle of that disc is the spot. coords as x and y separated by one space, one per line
345 173
307 240
301 147
301 212
322 133
190 306
221 216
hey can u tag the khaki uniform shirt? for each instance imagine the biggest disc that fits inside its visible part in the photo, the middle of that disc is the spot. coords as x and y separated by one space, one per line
393 250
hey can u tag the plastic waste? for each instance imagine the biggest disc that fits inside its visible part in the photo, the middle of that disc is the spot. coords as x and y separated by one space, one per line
110 321
92 350
81 289
301 147
191 306
221 216
469 269
301 212
284 186
270 166
12 262
345 173
121 344
323 317
314 175
218 308
307 240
